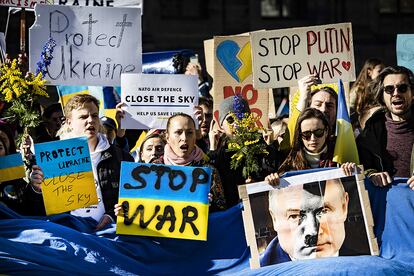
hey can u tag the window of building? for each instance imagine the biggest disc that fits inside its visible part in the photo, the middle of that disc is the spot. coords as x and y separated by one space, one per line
396 6
280 8
184 9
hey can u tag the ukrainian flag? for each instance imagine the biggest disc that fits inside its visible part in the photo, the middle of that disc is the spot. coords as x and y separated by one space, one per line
66 92
11 167
345 146
108 97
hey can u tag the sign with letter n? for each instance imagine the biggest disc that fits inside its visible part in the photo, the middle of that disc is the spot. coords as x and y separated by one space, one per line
164 201
94 45
282 57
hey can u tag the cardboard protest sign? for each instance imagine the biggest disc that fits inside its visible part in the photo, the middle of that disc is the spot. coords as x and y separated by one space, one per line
164 201
405 50
11 167
150 99
307 216
281 57
68 177
232 74
24 3
94 45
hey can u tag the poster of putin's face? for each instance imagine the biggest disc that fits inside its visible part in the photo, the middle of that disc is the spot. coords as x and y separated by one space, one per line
307 216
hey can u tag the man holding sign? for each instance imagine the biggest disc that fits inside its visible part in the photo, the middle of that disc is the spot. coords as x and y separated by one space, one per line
82 119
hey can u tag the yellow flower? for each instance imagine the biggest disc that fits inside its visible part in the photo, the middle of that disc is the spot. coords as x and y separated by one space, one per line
251 142
8 94
234 146
38 85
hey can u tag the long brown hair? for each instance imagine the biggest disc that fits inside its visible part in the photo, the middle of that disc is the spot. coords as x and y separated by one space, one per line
363 78
296 159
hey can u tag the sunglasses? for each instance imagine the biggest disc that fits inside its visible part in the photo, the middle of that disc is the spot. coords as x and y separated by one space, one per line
401 88
317 132
230 120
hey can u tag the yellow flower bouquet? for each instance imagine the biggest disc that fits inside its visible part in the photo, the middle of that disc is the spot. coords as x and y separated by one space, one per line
246 143
20 92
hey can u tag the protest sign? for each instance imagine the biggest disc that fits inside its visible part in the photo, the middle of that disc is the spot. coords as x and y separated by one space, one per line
307 216
405 50
24 3
94 45
164 201
151 99
68 177
11 167
102 3
232 74
281 57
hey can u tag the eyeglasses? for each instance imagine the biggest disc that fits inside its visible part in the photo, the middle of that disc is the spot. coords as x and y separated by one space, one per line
401 88
230 120
317 132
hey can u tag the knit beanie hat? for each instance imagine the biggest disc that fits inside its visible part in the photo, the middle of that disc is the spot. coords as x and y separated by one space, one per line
228 105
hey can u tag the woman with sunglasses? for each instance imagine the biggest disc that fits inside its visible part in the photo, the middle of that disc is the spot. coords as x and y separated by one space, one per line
310 146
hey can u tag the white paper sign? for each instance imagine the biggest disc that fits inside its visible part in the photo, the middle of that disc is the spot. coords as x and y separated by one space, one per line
102 3
24 3
281 57
150 99
2 45
94 44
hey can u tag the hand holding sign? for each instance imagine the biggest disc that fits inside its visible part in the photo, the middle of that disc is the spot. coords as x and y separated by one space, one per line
36 178
281 57
89 42
165 201
67 177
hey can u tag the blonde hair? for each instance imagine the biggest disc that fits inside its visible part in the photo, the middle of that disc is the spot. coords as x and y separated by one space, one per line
76 102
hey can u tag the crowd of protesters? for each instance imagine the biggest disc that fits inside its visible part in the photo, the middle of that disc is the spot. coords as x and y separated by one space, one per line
382 117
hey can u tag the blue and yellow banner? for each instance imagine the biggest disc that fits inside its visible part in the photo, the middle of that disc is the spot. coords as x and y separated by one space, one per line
345 146
68 177
164 201
11 167
108 96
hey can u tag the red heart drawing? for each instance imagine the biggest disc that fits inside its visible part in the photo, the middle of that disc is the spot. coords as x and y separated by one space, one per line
346 65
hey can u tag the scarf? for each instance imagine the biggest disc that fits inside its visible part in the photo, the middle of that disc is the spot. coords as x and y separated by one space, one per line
170 158
314 158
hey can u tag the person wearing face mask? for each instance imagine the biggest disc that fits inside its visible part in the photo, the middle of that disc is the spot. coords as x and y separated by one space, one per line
311 148
82 119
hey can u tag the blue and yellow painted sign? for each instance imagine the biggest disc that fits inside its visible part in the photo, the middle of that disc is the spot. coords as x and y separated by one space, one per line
11 167
164 201
68 177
